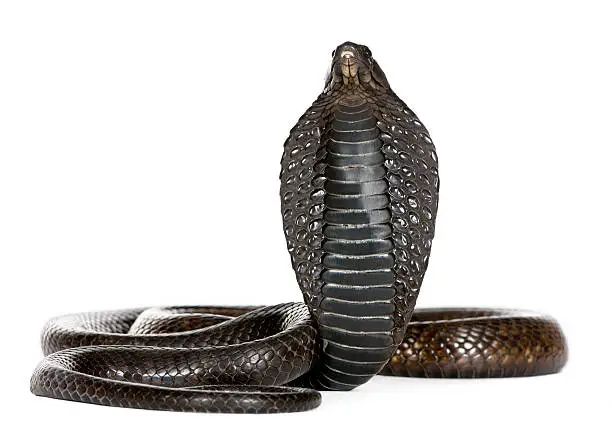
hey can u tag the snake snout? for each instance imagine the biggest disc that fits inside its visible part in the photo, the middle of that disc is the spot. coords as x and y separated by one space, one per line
351 62
347 56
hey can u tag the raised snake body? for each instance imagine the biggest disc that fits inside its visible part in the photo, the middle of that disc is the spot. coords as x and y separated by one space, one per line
359 195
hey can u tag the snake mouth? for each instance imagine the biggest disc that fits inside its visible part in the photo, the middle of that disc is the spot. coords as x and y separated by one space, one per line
347 55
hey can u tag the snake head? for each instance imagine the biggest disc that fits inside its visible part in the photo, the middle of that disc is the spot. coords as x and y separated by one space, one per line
353 66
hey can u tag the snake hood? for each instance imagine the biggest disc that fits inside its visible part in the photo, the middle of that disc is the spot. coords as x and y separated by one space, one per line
352 68
359 193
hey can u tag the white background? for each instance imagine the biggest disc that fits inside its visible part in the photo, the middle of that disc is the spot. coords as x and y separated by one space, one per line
140 148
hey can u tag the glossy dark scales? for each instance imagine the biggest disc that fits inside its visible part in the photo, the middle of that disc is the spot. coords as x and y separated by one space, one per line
358 250
359 197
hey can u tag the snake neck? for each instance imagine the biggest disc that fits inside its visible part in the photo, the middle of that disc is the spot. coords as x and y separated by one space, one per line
356 313
343 94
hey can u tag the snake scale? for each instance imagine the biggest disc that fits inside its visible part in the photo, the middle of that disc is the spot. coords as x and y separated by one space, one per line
359 196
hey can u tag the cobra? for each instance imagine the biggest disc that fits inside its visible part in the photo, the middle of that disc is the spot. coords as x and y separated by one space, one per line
359 196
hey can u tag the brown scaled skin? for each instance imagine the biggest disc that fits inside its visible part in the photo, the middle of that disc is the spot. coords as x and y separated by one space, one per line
477 343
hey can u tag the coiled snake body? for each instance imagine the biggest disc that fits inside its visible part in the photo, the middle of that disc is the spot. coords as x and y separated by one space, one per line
359 195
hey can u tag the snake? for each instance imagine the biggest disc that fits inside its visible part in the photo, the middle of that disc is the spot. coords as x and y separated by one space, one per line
359 197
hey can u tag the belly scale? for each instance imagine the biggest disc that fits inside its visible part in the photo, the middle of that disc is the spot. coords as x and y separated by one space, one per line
356 311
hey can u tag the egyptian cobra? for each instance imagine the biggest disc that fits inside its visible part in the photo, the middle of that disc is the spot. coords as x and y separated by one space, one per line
359 196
